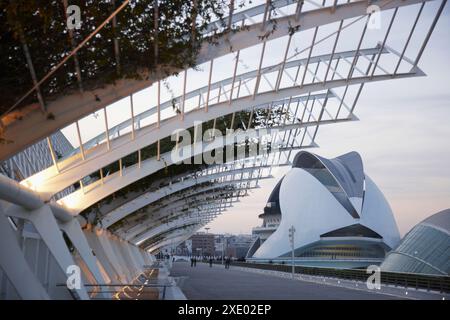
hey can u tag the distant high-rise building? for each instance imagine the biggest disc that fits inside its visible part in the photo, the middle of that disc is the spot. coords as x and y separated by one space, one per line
203 244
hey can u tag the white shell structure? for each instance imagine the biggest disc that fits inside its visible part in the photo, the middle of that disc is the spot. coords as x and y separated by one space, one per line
337 211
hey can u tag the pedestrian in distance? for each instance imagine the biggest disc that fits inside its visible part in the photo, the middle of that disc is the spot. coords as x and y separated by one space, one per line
210 262
192 262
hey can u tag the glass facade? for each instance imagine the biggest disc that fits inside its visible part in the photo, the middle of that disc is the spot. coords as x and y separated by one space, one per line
355 230
340 249
424 249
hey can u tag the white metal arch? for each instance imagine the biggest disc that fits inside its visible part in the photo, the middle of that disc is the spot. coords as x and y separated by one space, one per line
147 198
83 198
176 210
50 183
157 212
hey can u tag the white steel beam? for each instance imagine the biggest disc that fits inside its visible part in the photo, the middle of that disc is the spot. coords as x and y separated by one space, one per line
82 199
72 170
147 198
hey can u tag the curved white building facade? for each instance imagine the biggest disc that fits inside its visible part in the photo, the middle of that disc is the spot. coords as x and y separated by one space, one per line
339 215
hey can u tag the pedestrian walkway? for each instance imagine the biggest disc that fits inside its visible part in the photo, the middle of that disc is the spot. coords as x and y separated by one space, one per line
216 282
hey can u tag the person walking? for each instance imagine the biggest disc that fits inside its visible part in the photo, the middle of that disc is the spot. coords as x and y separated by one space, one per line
210 262
195 261
227 263
192 262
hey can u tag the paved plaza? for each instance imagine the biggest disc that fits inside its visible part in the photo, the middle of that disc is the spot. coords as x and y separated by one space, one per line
203 282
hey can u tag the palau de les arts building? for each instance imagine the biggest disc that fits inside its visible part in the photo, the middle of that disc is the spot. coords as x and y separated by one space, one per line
341 218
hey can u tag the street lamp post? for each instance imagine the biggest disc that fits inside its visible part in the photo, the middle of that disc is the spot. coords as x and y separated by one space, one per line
291 239
223 247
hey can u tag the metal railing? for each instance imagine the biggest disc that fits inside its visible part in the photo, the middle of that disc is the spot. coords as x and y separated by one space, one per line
407 280
109 290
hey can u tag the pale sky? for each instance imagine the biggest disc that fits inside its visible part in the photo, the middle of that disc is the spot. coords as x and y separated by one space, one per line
403 133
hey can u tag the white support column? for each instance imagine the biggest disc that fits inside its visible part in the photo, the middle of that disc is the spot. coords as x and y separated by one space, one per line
137 265
137 256
111 256
76 236
45 224
128 264
105 262
115 246
15 266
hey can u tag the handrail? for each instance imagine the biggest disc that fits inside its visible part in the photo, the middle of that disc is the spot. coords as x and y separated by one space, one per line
411 280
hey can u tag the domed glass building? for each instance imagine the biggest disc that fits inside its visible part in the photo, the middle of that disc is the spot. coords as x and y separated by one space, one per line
341 218
425 249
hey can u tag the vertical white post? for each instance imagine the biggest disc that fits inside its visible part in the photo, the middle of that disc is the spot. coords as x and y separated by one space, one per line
139 158
52 152
258 77
101 176
158 107
298 10
132 117
184 94
309 56
79 141
106 129
158 155
234 75
280 73
291 239
209 85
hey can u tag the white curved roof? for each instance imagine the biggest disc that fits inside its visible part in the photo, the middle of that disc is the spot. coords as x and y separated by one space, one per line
347 169
347 172
311 208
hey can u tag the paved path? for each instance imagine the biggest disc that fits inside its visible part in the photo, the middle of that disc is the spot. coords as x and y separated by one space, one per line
203 282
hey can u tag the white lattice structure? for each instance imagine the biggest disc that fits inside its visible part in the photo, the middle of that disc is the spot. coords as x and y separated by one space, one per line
280 102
